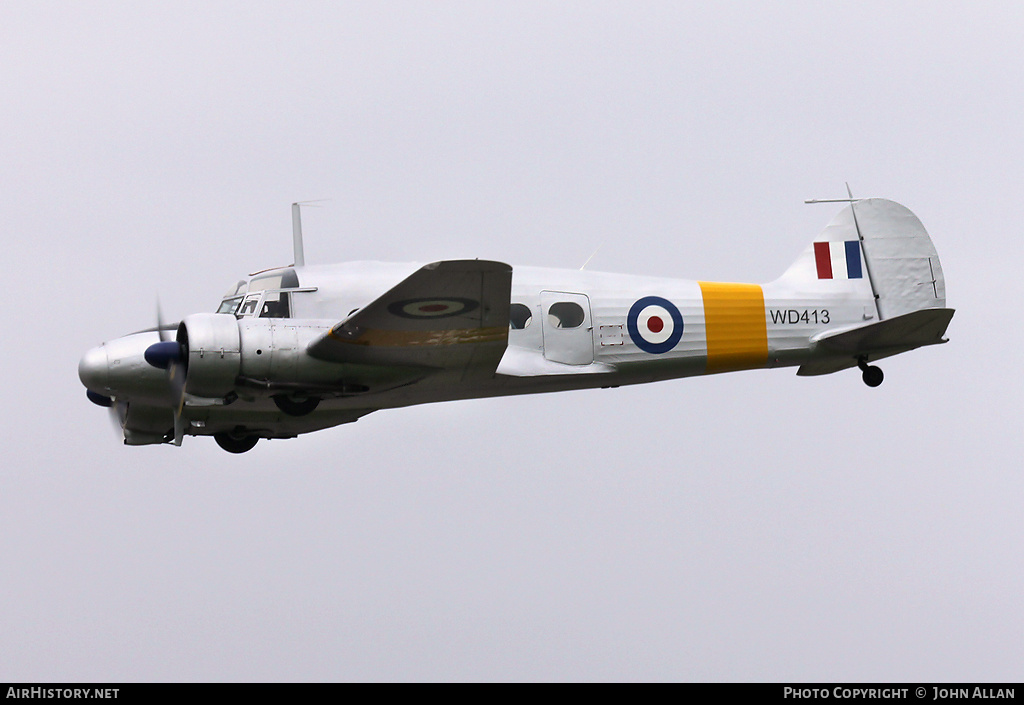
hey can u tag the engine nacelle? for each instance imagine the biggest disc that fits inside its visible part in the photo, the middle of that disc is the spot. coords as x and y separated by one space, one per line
213 349
274 351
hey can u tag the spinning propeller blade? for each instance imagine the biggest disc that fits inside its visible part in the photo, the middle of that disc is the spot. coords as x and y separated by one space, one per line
172 356
118 416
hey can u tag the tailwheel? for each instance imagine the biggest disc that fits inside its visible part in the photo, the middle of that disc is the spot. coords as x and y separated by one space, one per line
234 443
871 374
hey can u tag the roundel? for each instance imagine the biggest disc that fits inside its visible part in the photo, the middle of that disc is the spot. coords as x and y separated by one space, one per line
431 308
655 324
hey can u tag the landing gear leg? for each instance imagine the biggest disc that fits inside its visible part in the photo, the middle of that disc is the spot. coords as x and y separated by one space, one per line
871 374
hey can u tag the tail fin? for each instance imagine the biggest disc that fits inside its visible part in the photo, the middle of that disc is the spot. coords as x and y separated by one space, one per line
874 257
876 250
900 257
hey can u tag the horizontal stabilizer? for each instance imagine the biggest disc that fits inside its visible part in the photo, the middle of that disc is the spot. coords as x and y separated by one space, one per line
878 340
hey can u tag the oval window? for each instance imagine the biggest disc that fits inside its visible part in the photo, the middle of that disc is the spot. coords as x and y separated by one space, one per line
566 314
519 316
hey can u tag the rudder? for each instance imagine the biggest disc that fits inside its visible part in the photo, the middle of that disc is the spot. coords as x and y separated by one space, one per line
900 258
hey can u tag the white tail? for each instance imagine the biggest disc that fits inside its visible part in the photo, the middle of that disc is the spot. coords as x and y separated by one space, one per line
900 258
875 250
876 255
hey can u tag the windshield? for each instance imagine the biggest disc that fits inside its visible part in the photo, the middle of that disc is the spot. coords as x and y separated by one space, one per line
229 305
266 296
252 301
231 298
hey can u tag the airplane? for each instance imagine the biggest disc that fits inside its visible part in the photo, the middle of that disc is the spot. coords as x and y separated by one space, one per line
301 348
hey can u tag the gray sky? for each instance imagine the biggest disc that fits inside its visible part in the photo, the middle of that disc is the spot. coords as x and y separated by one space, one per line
754 526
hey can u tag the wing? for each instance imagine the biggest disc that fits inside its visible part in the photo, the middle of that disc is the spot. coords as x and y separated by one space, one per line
449 315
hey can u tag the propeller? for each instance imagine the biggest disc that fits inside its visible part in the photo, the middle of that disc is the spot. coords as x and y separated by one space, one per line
118 409
171 355
118 416
167 352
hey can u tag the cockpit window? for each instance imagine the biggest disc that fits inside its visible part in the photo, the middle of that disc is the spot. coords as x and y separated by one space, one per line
229 305
232 297
275 305
249 306
265 297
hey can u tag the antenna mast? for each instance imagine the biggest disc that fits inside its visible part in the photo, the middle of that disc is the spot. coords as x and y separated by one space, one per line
300 258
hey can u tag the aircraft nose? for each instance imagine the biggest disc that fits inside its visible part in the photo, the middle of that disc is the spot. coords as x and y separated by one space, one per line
93 369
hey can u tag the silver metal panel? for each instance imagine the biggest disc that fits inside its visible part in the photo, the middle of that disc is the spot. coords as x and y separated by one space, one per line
611 335
567 345
517 362
214 353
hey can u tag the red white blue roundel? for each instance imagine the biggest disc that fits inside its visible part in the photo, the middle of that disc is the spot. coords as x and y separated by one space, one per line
655 324
432 308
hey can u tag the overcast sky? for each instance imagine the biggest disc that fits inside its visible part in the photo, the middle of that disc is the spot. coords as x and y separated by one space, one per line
753 526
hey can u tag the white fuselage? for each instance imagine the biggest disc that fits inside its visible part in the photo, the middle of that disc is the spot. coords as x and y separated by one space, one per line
302 348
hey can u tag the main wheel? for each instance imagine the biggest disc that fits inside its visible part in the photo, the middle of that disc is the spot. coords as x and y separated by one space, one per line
296 408
873 376
234 444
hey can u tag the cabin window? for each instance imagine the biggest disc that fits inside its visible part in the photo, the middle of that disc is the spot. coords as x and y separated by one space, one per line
566 314
519 316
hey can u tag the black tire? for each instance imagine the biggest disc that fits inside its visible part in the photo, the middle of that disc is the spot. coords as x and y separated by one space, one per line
873 376
296 408
234 444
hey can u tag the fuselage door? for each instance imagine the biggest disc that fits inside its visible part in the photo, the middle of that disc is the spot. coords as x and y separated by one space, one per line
568 329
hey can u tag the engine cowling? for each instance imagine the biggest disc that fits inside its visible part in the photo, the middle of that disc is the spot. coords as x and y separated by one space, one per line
212 350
